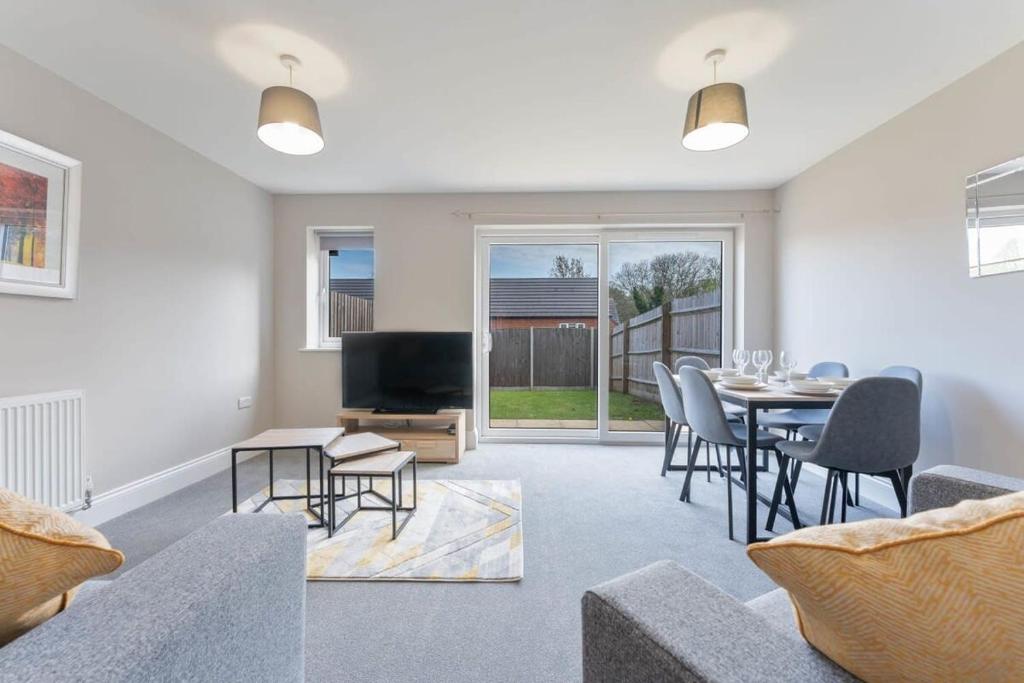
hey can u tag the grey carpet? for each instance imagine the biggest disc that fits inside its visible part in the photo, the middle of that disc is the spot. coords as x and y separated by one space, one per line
590 514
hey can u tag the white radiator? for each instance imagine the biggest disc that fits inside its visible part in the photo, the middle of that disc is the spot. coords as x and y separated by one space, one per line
41 454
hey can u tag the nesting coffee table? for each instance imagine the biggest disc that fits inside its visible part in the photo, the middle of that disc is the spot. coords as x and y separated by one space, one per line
379 465
312 441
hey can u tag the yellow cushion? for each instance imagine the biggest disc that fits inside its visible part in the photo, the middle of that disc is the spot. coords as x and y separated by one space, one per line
938 596
44 556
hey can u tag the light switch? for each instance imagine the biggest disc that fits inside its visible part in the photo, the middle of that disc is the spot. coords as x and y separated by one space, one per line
245 402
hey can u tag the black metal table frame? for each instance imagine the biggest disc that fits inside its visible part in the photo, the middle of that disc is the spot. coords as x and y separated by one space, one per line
750 485
332 462
311 506
392 504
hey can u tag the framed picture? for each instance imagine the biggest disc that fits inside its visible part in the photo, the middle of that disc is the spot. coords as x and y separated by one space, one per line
40 197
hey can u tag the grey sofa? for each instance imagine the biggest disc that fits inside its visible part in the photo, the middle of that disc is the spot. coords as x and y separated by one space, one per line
663 623
226 603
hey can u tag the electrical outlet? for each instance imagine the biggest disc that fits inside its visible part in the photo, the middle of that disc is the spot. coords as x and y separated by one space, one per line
245 402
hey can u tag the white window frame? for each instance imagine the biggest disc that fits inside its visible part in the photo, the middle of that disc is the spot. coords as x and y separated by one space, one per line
318 277
601 235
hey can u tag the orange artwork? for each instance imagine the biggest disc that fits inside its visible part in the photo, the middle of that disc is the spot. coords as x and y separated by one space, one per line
22 217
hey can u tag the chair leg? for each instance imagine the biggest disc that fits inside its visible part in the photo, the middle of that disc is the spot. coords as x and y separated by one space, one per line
846 496
672 433
795 476
707 461
901 491
856 489
718 458
773 509
691 460
830 477
728 465
832 499
791 503
741 457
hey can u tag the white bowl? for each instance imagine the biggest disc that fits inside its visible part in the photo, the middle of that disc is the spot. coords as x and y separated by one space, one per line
841 382
795 374
811 384
739 380
727 372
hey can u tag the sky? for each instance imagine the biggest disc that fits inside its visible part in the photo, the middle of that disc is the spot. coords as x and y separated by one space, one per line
352 263
534 260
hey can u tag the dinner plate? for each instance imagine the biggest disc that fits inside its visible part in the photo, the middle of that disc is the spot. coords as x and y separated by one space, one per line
745 387
812 392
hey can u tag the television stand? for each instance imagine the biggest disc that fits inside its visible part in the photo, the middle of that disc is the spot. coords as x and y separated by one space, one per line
385 411
426 433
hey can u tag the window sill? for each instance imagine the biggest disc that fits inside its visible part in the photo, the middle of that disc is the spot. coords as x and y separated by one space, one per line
317 349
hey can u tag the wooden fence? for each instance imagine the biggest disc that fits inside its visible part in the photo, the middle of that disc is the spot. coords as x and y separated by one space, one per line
694 329
349 314
543 357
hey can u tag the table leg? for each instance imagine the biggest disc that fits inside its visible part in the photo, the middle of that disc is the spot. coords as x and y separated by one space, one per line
751 463
325 514
394 508
234 480
330 501
271 455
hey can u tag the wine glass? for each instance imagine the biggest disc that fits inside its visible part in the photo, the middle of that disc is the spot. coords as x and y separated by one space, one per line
740 359
762 359
788 361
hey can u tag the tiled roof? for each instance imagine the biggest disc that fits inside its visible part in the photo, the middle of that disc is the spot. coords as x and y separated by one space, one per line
545 297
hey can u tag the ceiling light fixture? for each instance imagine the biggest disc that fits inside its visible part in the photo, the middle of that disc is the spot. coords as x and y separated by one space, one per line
716 116
289 119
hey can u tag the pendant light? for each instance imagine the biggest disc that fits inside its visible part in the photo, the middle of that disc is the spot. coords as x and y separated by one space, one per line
289 120
716 116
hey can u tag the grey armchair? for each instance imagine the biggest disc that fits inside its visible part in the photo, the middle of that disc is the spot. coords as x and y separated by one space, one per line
663 623
874 428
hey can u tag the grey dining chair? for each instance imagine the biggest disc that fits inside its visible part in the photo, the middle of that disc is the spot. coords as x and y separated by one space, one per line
709 422
813 432
874 428
732 410
792 420
691 362
675 416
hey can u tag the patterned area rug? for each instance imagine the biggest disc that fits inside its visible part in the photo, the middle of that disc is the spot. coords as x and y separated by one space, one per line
463 530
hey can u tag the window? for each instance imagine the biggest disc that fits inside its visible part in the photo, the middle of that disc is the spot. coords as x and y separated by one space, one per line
341 261
572 326
995 219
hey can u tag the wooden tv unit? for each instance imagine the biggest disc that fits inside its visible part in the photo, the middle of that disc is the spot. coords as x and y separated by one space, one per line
428 434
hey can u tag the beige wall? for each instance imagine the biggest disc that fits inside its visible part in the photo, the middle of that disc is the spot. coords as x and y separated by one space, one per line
871 266
173 321
425 266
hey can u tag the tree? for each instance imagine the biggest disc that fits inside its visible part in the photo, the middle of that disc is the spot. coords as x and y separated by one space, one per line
644 285
563 266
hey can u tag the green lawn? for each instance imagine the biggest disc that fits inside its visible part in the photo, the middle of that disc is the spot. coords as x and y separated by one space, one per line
568 404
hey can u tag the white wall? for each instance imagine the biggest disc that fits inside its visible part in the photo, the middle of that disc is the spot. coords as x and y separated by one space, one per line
425 262
871 266
174 318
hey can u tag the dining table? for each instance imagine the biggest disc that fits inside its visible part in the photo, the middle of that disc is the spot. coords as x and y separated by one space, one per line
776 396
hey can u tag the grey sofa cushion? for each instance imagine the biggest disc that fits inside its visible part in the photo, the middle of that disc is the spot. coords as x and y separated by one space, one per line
663 623
776 608
226 603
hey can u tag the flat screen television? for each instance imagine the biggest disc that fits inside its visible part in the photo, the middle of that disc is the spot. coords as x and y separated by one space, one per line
407 372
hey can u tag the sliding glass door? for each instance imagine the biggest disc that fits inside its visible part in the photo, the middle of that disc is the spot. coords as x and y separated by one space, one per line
666 302
572 318
541 322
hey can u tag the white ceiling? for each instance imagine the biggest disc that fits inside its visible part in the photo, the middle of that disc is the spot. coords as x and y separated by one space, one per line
500 95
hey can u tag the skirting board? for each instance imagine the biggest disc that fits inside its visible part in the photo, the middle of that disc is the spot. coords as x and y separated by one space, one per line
137 493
